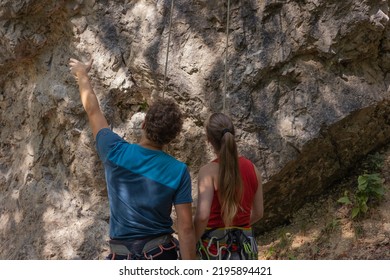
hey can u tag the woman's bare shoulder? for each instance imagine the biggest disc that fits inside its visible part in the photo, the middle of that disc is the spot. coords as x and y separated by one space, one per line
210 168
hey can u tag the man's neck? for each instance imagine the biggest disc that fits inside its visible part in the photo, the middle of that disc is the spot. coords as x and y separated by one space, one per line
146 143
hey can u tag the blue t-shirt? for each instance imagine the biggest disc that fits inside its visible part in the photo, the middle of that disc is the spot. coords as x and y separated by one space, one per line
142 185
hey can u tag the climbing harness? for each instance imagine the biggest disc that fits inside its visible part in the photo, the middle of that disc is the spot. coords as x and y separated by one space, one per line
230 243
167 54
145 249
226 57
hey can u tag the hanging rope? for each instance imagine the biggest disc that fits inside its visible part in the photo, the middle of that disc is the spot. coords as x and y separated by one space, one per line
226 57
167 54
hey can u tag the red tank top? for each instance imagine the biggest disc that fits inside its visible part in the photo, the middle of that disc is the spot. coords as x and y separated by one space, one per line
250 185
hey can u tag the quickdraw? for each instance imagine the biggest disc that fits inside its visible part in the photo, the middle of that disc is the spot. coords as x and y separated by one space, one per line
202 251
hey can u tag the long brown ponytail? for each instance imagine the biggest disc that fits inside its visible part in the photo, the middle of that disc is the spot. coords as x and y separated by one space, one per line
220 133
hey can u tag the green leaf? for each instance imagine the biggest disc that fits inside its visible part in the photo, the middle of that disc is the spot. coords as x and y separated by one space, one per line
355 212
364 207
379 190
364 198
374 177
344 200
362 182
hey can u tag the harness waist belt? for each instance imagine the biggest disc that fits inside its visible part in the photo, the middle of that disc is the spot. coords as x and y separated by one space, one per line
221 233
122 247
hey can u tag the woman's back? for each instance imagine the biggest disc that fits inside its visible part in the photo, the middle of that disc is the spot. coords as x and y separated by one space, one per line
230 197
250 185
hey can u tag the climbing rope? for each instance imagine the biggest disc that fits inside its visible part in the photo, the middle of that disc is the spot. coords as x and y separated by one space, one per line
167 54
226 57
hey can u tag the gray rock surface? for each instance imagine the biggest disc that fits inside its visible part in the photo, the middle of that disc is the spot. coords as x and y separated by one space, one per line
307 89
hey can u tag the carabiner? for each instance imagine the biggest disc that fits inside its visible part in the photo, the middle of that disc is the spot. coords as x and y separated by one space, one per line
227 250
209 245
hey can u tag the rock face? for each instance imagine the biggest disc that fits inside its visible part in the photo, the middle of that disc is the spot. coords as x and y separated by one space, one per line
307 89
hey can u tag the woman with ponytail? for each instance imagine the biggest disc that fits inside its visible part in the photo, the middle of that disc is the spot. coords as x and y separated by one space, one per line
230 197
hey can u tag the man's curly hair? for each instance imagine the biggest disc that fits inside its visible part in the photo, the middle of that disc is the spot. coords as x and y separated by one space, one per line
163 121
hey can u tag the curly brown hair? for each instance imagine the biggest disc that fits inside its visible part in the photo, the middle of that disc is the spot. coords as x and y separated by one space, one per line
163 121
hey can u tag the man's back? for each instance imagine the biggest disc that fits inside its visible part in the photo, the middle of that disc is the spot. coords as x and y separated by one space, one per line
142 185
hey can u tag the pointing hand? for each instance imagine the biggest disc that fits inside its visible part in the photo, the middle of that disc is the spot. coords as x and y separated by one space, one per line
77 68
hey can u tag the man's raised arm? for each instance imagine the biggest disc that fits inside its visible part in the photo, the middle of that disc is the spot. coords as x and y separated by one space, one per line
96 118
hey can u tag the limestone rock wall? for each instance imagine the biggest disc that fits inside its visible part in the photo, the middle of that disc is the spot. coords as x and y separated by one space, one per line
307 89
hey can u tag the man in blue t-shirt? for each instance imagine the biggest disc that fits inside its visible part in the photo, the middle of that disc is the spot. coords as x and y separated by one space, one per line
143 181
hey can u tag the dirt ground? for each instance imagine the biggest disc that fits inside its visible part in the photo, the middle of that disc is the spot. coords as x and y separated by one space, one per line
324 229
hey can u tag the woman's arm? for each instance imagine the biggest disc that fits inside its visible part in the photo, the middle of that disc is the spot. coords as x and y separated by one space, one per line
258 203
205 198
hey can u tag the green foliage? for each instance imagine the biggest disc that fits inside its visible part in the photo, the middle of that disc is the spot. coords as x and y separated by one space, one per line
284 238
345 199
369 187
374 163
332 226
270 252
291 256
